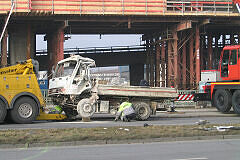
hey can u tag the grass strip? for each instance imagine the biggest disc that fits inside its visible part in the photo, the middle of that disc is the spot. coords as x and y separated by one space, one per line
30 136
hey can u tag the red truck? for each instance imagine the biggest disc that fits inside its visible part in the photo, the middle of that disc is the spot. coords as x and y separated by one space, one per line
225 92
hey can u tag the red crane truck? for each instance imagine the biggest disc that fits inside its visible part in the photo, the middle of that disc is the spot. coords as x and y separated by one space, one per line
225 92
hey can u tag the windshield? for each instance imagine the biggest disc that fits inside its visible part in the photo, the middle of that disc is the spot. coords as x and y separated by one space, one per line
65 69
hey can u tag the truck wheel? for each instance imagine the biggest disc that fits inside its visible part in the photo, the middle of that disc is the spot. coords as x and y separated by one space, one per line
236 101
85 109
142 110
25 110
222 100
3 111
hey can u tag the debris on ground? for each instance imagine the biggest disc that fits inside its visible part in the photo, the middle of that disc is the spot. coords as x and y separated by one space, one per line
145 125
223 128
219 128
126 129
202 122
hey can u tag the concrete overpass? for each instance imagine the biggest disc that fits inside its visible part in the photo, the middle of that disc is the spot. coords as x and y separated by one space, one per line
182 37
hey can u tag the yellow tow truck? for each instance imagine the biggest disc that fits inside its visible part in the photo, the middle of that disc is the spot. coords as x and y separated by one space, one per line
21 99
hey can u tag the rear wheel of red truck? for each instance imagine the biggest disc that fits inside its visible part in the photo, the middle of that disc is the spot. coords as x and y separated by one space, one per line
142 110
3 111
222 100
236 101
25 110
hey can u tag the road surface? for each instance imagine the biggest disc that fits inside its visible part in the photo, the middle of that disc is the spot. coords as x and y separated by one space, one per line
188 150
184 117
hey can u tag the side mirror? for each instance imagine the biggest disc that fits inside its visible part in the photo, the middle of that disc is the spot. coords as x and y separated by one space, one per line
53 70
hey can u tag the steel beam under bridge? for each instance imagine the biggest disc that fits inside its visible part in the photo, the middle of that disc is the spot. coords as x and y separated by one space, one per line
105 59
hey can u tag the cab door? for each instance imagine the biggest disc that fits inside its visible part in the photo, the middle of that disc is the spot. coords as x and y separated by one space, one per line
224 64
233 65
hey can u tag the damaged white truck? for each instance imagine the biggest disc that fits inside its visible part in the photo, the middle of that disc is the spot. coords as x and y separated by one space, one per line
72 88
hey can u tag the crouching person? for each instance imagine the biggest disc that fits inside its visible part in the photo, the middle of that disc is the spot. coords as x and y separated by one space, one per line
55 110
126 112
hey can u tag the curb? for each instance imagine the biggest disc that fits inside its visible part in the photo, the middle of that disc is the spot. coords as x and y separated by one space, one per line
104 142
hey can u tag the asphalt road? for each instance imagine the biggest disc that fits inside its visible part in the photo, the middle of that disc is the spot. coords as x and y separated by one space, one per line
188 150
182 117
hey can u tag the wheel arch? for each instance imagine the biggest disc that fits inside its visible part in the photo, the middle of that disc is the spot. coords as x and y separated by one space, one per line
25 94
4 101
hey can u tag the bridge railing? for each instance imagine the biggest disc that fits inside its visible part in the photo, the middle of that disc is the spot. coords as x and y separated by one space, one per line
120 7
112 49
200 6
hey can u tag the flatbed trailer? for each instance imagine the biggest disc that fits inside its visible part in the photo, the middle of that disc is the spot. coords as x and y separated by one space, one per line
137 91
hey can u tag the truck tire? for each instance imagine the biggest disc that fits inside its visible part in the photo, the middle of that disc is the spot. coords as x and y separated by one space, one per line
222 100
236 101
24 110
142 110
85 109
3 111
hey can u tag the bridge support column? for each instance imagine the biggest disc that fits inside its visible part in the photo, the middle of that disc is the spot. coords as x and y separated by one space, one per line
22 43
232 40
55 47
151 64
184 67
157 70
163 65
173 61
4 49
197 54
136 74
210 50
148 61
191 61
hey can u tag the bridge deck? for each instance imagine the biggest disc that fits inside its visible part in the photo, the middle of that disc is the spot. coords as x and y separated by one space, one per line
121 7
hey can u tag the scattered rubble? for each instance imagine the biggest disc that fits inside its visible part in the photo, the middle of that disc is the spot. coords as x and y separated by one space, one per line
202 122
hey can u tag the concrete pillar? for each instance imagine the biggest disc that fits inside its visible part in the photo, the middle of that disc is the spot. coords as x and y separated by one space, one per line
22 43
55 47
4 49
210 50
157 71
136 74
197 54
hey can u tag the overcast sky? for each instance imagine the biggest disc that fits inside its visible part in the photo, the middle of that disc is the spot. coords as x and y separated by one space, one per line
83 41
